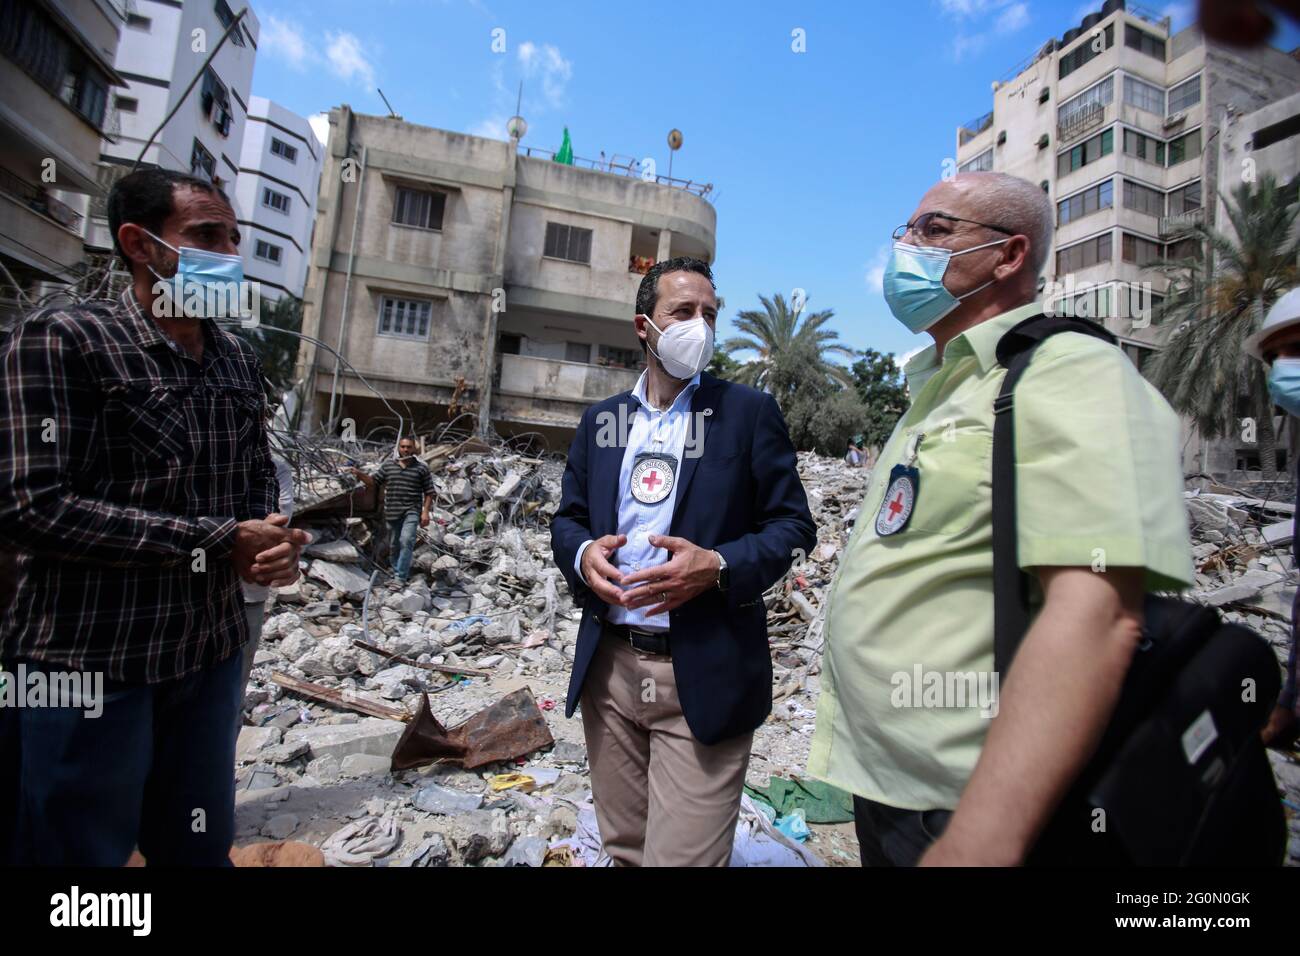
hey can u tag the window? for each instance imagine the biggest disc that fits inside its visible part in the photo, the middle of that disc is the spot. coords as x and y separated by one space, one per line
1185 95
577 352
1086 50
619 358
1081 255
1100 196
214 101
1140 251
419 207
408 318
227 17
1183 249
1144 42
980 164
1090 304
1185 198
42 49
1144 147
1089 151
268 251
1143 199
1276 133
508 344
1091 99
567 242
126 104
274 200
1138 354
202 163
1144 96
1143 302
282 149
137 22
1187 146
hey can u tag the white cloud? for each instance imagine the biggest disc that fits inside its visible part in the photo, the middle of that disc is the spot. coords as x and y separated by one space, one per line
1013 18
320 125
1180 15
347 58
963 9
493 127
876 269
284 39
547 62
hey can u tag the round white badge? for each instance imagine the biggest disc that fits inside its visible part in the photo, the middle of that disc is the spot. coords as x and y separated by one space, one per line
652 480
897 506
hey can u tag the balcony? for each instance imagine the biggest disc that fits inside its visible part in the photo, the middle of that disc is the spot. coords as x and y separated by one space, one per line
556 380
1181 223
1080 122
39 230
968 131
624 166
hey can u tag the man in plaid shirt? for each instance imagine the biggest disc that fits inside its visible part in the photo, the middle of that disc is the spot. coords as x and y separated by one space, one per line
137 486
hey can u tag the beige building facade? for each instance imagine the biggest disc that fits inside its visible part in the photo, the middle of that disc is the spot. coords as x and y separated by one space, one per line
457 275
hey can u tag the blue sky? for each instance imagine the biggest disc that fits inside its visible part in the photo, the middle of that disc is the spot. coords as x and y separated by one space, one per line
815 156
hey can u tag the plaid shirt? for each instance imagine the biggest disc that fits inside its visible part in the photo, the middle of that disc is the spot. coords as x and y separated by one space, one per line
120 455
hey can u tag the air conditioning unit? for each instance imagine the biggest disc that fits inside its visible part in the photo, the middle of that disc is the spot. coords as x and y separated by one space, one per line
1175 119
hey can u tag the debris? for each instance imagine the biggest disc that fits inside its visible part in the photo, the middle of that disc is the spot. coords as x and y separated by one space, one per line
360 843
509 781
526 851
435 798
360 765
819 802
280 826
339 698
369 736
280 853
512 727
440 668
253 740
432 852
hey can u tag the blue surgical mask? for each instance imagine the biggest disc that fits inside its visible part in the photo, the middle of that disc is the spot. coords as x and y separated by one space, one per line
914 286
204 276
1284 384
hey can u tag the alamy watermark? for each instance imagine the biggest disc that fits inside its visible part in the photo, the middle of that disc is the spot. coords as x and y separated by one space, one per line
959 690
83 690
176 299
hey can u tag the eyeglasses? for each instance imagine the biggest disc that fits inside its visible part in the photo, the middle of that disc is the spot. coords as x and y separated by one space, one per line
936 225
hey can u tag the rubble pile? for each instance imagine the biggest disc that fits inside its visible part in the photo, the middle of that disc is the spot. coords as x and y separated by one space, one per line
478 646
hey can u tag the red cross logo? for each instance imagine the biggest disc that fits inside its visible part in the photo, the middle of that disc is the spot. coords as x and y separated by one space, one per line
896 506
652 479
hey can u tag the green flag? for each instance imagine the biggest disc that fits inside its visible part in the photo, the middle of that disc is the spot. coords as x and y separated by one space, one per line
565 154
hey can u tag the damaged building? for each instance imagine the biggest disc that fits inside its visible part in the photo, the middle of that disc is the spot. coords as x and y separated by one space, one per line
455 273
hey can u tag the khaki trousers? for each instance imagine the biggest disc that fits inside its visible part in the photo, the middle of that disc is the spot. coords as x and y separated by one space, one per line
662 798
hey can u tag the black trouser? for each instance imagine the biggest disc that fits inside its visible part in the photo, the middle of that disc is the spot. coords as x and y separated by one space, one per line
888 836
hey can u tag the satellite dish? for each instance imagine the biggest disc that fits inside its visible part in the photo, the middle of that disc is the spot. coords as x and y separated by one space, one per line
675 139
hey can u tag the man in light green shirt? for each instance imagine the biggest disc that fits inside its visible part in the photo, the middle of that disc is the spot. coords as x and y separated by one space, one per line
912 718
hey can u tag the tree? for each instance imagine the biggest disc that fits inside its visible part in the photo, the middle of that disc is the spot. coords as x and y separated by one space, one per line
879 384
776 329
278 351
820 413
723 365
1214 303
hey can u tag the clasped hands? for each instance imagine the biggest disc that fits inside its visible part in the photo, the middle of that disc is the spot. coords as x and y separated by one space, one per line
690 571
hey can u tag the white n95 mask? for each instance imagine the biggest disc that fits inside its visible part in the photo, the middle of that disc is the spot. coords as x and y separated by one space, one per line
685 349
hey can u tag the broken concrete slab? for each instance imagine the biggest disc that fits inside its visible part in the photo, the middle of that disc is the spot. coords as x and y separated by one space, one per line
362 765
370 735
340 551
253 740
435 798
346 578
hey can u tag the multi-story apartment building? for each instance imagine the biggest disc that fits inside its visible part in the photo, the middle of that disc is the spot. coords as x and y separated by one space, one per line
453 271
1118 121
275 196
163 46
57 74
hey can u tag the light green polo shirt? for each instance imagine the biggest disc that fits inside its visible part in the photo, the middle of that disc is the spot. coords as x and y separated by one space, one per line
1098 479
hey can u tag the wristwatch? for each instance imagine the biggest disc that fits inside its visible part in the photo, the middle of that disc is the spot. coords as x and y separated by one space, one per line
724 576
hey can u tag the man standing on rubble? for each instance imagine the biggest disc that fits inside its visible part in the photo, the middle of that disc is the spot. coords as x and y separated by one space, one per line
681 506
407 487
1277 345
137 486
1101 520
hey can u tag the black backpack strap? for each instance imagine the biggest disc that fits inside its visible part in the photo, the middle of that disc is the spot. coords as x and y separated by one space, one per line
1010 584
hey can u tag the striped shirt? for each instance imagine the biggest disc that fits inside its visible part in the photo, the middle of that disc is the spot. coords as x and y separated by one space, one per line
404 488
125 465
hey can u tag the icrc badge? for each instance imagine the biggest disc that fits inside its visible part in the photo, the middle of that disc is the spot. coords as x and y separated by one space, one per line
652 477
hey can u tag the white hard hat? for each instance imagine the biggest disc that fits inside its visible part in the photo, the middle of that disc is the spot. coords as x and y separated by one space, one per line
1284 314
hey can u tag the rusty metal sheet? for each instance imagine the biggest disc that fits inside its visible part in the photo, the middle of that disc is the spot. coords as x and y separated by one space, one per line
512 727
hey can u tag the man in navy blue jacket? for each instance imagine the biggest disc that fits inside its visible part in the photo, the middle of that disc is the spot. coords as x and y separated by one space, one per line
681 506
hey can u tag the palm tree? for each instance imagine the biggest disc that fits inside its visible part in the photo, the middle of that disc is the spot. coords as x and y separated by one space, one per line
775 331
1215 303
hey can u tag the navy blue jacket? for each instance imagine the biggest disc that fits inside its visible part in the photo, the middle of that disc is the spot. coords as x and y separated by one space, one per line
741 497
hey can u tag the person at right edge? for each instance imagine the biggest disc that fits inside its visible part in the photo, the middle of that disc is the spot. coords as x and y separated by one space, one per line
1277 345
1099 485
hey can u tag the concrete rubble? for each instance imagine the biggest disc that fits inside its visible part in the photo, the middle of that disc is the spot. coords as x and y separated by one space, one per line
486 613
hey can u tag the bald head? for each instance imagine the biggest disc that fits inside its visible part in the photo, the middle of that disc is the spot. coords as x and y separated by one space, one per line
1015 204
